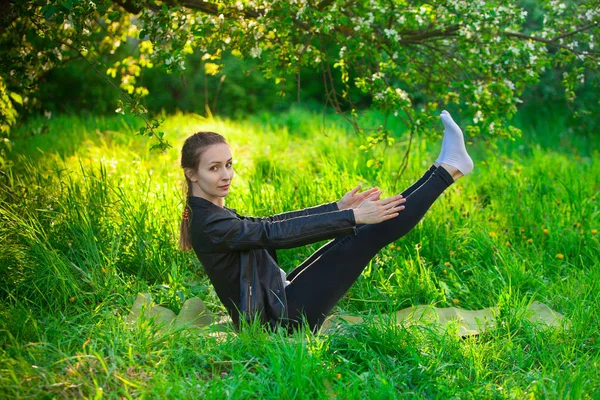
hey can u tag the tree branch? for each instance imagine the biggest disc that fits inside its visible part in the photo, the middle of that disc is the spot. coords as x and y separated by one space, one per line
414 36
549 42
324 4
130 7
576 31
7 16
404 162
418 37
213 9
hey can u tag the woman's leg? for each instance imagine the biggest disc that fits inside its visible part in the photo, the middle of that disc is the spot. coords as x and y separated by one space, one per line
318 284
317 254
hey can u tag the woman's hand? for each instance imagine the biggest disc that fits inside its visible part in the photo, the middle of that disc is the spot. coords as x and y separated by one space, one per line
374 211
353 199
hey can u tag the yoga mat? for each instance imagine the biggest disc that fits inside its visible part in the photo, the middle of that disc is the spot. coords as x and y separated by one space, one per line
470 322
193 313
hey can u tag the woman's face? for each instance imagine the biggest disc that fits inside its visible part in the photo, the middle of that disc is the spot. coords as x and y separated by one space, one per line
214 174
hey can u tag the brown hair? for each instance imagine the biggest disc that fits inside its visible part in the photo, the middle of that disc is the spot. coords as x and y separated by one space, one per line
191 151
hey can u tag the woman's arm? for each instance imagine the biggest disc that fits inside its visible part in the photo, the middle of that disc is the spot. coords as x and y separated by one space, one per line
350 200
227 232
224 231
321 209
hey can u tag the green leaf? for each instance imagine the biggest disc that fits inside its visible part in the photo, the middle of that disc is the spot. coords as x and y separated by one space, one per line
7 144
49 11
16 98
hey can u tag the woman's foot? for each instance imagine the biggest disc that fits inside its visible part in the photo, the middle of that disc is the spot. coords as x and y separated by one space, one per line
454 157
453 171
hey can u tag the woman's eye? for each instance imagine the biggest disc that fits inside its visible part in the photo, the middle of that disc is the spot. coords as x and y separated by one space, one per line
228 165
214 168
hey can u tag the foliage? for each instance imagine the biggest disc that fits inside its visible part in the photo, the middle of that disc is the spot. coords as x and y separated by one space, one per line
409 57
89 218
8 116
238 89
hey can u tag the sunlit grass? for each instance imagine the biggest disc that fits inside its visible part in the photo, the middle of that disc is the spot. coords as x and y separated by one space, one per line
89 218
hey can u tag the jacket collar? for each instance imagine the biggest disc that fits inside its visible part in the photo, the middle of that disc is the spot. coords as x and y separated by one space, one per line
200 202
195 201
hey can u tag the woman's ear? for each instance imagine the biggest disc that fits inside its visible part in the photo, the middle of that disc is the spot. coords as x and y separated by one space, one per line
190 174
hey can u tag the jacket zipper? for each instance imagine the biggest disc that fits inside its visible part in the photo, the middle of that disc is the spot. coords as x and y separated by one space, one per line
249 299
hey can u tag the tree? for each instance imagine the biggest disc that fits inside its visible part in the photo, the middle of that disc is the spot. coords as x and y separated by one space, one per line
410 57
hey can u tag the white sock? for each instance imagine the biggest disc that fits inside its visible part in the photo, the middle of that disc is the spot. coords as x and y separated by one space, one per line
454 152
442 151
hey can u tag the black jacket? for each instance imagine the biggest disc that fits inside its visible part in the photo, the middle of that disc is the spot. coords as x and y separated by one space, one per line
238 253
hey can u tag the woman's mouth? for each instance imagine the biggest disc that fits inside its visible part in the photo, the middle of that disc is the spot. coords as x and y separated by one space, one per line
224 187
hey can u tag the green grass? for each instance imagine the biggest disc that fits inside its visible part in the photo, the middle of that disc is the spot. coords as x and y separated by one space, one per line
89 218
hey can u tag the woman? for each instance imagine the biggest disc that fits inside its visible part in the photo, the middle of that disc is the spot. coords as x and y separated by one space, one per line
238 252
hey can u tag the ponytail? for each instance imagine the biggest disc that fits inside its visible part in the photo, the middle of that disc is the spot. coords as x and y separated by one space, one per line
185 235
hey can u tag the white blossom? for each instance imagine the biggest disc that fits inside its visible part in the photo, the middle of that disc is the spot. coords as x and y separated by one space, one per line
590 14
532 58
256 52
390 33
509 84
377 76
402 94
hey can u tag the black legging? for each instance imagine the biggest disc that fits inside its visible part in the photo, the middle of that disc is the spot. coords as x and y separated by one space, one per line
321 280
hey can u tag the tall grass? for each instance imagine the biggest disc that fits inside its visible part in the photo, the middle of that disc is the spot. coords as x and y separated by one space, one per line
90 218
